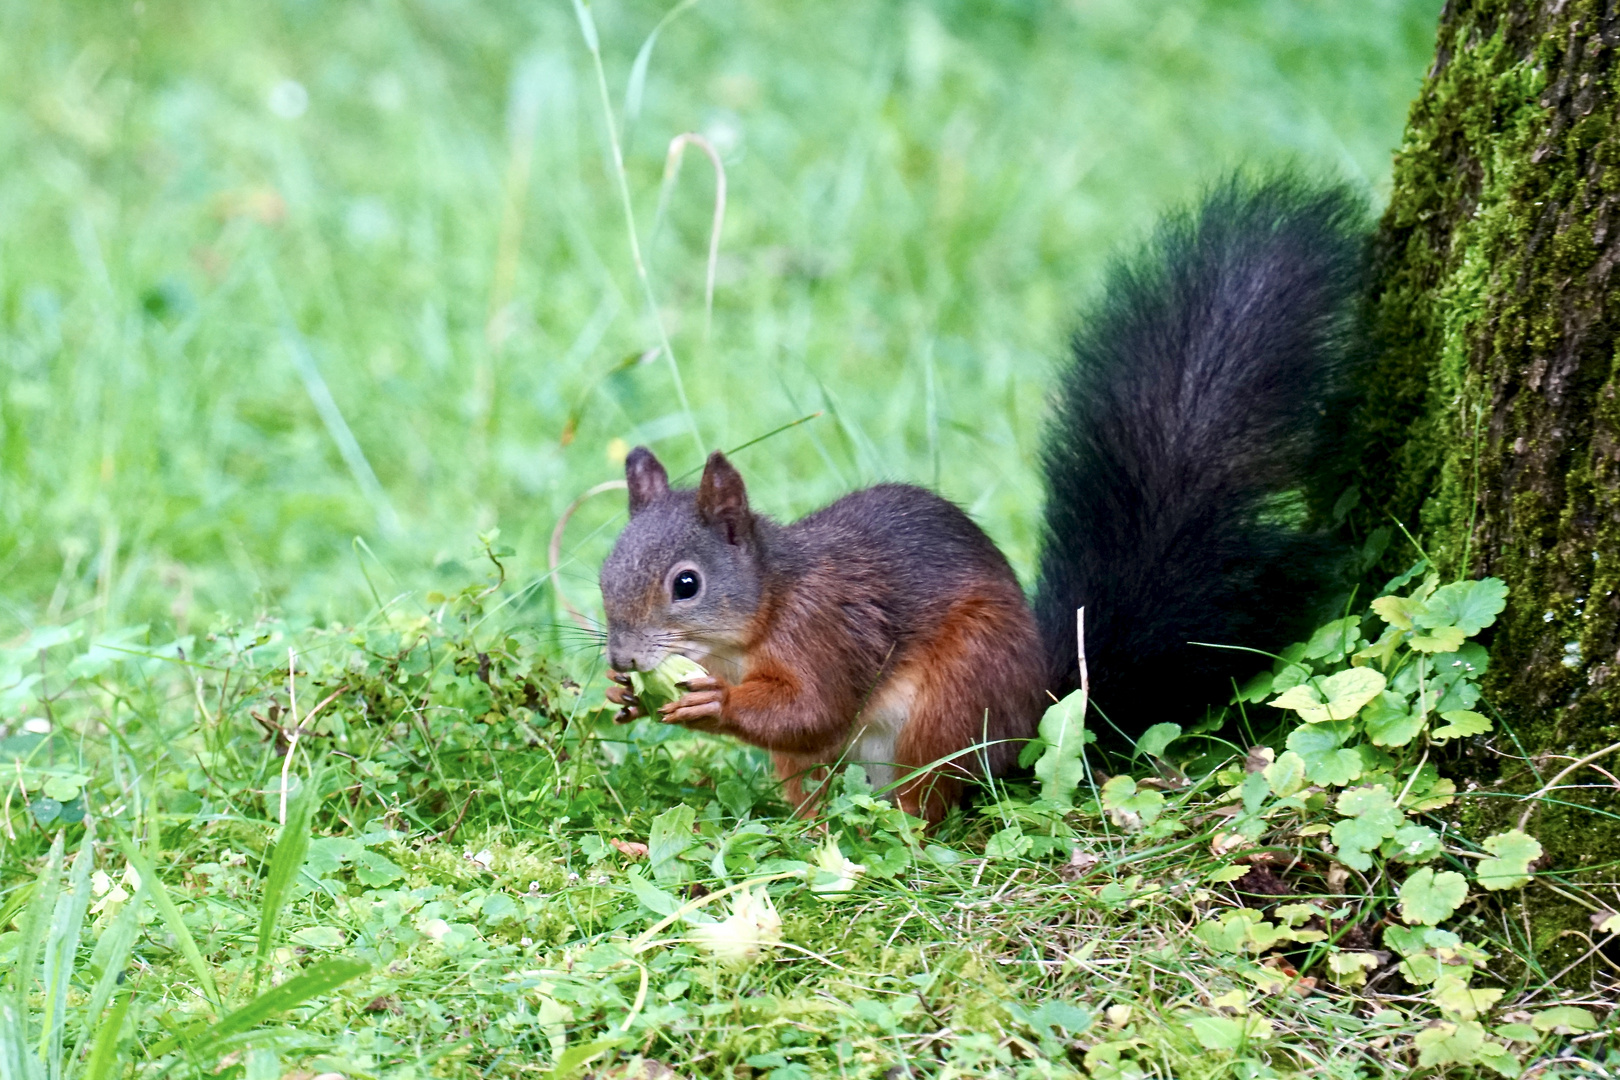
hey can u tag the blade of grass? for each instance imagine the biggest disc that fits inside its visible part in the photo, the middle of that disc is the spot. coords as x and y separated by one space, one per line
172 919
17 1062
292 844
112 949
35 920
576 1058
587 27
16 902
103 1055
312 982
62 948
637 84
672 169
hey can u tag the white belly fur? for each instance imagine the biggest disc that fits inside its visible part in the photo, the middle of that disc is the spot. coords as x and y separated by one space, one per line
877 730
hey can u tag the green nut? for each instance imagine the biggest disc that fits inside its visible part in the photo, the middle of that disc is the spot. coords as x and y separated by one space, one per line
658 687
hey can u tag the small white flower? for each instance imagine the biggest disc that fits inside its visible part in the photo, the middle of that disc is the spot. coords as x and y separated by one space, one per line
834 874
752 927
110 894
37 725
435 929
483 860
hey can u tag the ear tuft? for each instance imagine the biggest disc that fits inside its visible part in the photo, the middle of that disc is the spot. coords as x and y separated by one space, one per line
646 479
722 500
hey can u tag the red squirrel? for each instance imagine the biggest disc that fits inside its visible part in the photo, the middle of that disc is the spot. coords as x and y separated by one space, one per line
887 629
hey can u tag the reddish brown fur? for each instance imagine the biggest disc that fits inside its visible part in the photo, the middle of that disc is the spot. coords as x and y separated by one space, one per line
978 683
885 628
978 678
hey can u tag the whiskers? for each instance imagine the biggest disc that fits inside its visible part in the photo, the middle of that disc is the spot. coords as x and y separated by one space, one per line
575 641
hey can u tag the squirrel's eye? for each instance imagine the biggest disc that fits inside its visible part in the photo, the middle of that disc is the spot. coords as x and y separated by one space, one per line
686 585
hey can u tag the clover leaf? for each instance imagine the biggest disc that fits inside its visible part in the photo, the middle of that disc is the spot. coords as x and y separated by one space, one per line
1564 1019
1156 739
1460 1001
1397 611
1449 1043
1330 643
1440 639
1228 1032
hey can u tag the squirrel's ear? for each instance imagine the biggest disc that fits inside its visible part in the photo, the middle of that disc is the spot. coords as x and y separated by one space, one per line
645 477
722 500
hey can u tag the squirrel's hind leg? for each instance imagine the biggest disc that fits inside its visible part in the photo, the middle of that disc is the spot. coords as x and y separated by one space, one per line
979 681
794 770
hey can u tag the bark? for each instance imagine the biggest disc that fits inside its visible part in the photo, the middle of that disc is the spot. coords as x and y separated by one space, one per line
1493 416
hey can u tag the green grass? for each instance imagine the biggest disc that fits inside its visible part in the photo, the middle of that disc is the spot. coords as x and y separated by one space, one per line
919 198
297 300
480 875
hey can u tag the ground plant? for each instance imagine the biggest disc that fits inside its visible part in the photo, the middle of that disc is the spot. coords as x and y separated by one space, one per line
441 855
318 330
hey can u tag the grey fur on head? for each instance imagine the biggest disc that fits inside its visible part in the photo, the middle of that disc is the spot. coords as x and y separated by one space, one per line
708 532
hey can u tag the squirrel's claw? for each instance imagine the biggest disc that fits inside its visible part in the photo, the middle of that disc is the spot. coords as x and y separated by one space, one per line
701 682
700 707
620 694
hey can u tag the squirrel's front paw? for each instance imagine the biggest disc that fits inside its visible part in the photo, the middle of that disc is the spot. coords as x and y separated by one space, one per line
619 693
700 706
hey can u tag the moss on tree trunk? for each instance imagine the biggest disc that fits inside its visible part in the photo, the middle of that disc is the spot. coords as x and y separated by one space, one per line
1494 416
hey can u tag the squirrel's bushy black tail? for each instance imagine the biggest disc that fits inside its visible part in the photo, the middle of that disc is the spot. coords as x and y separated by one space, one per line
1196 412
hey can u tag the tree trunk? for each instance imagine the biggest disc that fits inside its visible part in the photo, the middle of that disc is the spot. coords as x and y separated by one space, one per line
1494 418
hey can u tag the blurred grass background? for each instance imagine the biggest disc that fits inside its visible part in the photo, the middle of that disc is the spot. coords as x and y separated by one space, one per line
277 275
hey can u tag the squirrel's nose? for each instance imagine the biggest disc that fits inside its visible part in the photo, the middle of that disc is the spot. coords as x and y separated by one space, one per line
620 656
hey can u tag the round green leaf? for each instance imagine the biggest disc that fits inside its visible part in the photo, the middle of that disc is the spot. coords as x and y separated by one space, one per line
1347 691
1459 724
61 789
1428 898
45 809
1470 606
1566 1019
1514 851
1157 738
1389 722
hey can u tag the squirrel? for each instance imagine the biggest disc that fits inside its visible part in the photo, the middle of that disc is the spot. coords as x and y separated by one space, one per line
1195 428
